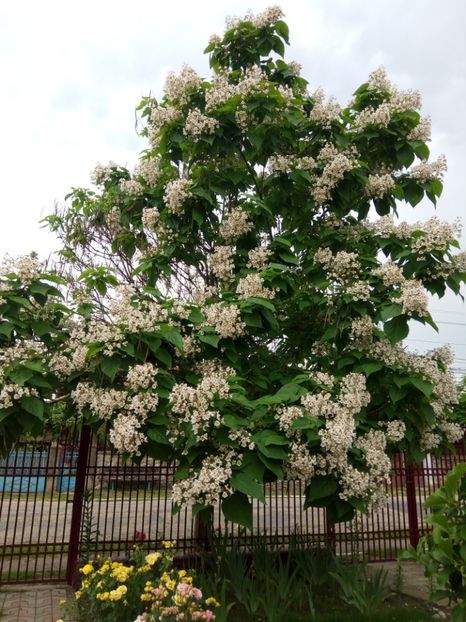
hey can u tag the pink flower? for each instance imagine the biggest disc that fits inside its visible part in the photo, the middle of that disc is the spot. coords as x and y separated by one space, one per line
209 615
196 592
140 535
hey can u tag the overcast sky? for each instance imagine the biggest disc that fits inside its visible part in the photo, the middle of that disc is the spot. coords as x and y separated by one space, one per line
72 74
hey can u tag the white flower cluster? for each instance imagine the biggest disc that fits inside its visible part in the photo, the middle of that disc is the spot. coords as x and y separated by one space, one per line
149 170
386 226
436 235
454 432
323 378
413 298
286 416
134 316
252 286
150 218
342 266
221 263
163 115
141 376
198 124
361 331
222 89
301 464
235 225
324 112
379 185
395 101
429 440
390 274
333 172
25 267
125 434
101 173
422 131
225 319
177 87
359 290
279 163
210 483
20 352
242 437
11 393
193 404
445 393
426 171
268 17
102 402
131 187
176 193
395 431
258 257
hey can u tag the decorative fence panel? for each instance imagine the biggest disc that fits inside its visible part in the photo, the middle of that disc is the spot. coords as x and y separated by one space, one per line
60 501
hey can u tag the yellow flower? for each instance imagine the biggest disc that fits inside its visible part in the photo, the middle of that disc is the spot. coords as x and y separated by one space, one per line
211 601
146 597
77 594
118 593
62 601
179 600
182 573
59 620
103 596
168 544
87 569
152 558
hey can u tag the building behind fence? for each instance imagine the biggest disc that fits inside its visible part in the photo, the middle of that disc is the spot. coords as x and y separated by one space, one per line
73 499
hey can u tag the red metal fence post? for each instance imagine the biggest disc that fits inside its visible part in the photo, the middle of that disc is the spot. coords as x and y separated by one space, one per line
412 505
75 528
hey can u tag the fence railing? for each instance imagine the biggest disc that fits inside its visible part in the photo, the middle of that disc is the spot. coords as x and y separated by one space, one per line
64 500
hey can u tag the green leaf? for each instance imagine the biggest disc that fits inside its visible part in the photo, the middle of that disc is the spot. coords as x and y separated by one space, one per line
33 405
20 376
288 257
269 437
389 311
423 386
370 368
238 509
396 329
272 465
246 483
212 340
163 356
196 317
6 328
321 487
172 335
109 367
262 302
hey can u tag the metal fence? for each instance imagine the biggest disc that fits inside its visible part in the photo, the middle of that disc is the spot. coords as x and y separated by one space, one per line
60 501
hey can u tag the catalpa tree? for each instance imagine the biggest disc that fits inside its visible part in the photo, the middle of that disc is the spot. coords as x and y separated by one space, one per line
238 303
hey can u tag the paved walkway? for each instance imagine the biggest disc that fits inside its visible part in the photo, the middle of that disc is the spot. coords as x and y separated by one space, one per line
32 603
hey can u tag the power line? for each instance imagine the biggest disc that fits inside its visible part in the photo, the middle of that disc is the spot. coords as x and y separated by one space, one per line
430 341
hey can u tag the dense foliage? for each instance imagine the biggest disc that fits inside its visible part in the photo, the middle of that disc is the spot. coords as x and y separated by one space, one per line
238 303
443 551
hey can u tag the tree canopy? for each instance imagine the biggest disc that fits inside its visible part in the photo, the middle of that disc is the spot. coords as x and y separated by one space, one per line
238 303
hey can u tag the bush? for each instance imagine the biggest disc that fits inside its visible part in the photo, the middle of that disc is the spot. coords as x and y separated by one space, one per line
146 588
443 551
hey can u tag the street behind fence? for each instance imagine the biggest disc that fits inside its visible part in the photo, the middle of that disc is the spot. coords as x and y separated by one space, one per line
60 500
